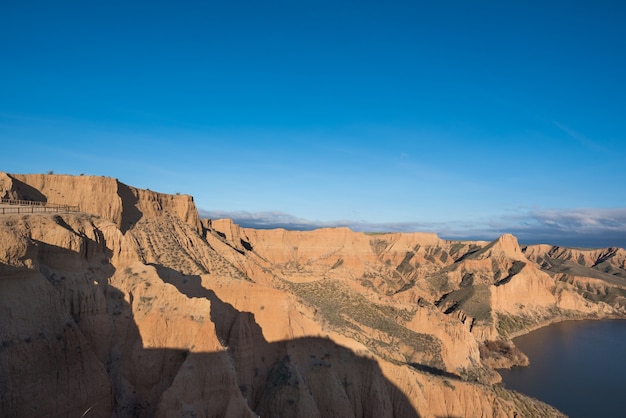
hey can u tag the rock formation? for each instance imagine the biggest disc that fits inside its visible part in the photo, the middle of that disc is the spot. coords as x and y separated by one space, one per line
134 307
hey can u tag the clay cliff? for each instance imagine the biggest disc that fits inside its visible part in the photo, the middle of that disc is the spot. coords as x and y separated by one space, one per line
104 196
133 306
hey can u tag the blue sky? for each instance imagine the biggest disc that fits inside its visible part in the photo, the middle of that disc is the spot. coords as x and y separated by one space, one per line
470 119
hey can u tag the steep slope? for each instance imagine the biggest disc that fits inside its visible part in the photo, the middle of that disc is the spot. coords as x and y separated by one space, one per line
49 365
104 196
452 301
149 340
608 264
136 308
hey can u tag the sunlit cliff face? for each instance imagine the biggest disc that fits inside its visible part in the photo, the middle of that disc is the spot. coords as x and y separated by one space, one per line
134 307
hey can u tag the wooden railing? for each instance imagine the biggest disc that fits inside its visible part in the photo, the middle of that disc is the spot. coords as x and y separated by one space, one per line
30 206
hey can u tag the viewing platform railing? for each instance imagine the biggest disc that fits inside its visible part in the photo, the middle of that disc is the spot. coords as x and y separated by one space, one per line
30 206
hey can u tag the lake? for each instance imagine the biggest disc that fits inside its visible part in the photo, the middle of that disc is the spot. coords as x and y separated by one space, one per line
577 366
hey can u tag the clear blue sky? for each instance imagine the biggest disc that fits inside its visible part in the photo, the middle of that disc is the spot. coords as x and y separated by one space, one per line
469 119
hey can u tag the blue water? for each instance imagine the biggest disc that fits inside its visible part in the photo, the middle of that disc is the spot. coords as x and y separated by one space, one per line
577 366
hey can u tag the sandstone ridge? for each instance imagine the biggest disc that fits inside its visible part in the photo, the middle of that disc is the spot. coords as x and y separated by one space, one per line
135 307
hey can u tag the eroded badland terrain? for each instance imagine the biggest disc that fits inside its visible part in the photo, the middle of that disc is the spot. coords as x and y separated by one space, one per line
135 307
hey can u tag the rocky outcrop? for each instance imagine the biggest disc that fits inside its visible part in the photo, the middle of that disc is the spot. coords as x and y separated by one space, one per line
133 307
53 303
145 340
607 264
48 366
104 196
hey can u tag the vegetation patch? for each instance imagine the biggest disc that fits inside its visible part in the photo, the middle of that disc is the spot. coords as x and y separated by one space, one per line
499 353
145 302
197 318
440 283
475 301
509 324
345 310
609 275
408 285
405 266
610 295
378 245
456 247
338 263
515 269
527 406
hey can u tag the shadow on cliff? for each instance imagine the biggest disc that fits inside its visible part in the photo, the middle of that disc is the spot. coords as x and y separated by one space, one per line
434 371
8 271
49 364
130 213
307 376
27 192
304 377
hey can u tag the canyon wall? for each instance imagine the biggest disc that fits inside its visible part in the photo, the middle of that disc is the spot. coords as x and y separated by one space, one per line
134 307
104 196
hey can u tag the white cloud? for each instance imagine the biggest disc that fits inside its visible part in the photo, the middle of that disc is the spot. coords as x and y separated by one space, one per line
265 220
580 138
571 227
277 219
578 227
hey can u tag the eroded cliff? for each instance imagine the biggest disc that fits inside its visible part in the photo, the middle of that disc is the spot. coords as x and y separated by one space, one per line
133 307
